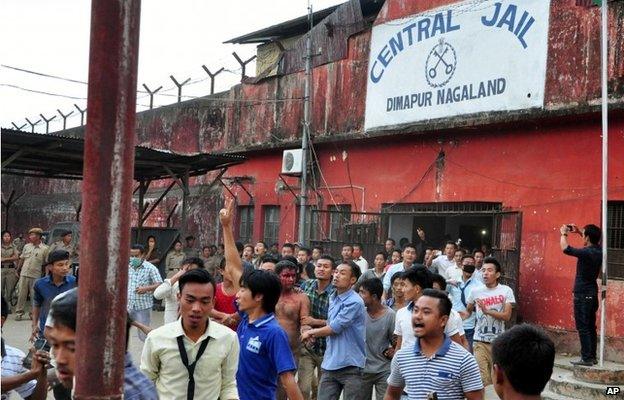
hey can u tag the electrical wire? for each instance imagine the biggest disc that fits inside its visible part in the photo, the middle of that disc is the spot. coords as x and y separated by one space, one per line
41 92
42 74
415 187
351 183
331 196
316 193
50 93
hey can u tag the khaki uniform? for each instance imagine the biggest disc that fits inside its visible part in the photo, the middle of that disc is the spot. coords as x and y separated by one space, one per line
174 262
71 248
34 257
9 271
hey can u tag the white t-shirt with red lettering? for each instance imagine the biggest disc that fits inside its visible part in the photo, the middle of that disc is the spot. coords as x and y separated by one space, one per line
487 327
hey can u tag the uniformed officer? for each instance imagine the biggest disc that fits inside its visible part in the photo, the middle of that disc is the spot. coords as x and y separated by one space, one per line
174 259
29 268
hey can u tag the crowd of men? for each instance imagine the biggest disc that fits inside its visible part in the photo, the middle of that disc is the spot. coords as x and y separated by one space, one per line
242 322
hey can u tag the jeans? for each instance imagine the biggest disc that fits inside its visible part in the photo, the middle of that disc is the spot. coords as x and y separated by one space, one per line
378 381
347 380
142 316
585 307
469 338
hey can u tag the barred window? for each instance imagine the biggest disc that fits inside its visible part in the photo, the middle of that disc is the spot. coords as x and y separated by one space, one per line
246 220
615 239
339 216
271 224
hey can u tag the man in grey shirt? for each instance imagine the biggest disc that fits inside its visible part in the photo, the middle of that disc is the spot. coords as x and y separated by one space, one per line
379 340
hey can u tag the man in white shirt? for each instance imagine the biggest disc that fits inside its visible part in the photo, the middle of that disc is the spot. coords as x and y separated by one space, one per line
357 257
455 272
445 262
409 257
479 256
415 280
169 289
493 304
193 357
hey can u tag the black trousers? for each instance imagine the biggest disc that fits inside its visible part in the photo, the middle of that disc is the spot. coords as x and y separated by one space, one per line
585 307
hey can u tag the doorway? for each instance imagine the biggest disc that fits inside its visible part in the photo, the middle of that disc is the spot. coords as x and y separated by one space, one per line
469 223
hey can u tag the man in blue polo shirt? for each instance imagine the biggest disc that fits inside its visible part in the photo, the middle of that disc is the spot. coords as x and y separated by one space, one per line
434 364
47 288
345 356
264 349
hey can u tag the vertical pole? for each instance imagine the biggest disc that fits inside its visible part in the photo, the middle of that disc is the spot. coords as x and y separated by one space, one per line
306 131
107 199
185 194
64 116
605 163
179 85
6 216
212 78
142 190
82 113
151 94
7 207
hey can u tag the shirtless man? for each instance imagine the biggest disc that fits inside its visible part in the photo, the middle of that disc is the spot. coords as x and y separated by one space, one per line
292 306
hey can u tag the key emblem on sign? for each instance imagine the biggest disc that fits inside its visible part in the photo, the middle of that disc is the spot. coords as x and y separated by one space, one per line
440 65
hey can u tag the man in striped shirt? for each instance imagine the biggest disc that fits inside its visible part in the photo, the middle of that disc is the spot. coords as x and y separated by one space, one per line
435 366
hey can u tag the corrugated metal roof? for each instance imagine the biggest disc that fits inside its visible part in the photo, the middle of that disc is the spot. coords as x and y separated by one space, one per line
61 157
299 25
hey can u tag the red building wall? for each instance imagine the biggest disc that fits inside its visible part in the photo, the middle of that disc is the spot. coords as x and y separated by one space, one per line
549 170
551 173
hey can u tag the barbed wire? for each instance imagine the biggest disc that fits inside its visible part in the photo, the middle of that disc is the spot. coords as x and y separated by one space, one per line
49 93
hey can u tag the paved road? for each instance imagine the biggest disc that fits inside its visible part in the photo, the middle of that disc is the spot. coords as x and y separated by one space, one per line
17 333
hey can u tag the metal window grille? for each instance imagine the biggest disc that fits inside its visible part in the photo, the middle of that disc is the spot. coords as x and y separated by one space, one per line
615 239
245 228
271 224
443 208
312 223
339 215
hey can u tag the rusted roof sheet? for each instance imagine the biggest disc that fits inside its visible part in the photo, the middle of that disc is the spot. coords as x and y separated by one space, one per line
300 25
61 157
290 28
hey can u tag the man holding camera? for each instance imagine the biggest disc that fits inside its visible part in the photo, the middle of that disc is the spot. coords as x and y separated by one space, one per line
589 261
28 383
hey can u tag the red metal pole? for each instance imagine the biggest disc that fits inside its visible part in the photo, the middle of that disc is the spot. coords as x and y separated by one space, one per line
107 198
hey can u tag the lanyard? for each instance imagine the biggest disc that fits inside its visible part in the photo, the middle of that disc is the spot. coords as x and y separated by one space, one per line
463 295
190 393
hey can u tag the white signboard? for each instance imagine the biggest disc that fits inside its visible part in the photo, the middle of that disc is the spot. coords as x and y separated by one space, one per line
468 57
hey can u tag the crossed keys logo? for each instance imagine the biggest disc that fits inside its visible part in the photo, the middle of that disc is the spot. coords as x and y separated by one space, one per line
440 65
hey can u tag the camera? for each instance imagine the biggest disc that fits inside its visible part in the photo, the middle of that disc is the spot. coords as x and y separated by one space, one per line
40 344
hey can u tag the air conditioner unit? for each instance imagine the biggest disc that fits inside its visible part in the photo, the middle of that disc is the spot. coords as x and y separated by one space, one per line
292 162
